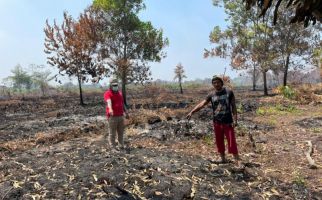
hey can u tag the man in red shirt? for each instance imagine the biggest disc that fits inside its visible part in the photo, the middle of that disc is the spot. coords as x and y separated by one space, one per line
115 111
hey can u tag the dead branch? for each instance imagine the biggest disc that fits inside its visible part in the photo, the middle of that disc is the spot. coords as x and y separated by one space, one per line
6 193
308 155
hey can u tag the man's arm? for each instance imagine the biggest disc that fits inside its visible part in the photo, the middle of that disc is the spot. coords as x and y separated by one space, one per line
109 105
197 108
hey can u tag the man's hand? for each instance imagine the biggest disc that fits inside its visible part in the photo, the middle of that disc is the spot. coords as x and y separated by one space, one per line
189 115
197 108
111 112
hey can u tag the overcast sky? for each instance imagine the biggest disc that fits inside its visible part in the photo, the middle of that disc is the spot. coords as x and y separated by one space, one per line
187 25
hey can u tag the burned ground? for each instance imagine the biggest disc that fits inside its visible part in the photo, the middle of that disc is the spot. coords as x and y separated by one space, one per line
52 148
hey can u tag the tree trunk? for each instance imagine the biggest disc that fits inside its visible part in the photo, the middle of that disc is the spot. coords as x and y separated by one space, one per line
124 70
42 88
254 79
124 88
286 69
80 90
265 83
277 82
320 72
180 87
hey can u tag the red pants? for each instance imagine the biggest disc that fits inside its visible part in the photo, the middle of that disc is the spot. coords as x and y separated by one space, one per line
222 130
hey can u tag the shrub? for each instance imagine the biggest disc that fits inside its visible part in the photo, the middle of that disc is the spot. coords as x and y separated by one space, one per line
208 140
287 92
240 108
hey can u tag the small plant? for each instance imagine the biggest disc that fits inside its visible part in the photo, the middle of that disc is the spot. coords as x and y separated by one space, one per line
241 130
298 179
272 122
316 130
208 140
277 109
240 108
287 108
287 92
260 111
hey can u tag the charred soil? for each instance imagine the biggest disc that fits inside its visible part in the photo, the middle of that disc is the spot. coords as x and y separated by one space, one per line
52 148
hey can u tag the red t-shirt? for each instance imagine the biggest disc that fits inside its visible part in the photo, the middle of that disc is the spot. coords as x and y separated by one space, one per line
117 102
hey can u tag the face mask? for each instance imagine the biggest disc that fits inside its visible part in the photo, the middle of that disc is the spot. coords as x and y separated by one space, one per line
115 88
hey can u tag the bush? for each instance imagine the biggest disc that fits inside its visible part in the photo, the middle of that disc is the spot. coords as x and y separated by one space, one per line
287 92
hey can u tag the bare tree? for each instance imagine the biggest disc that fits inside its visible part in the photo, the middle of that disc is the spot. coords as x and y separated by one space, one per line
179 74
41 77
72 47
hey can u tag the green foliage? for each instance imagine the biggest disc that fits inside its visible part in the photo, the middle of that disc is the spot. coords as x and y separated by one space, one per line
277 109
287 108
252 42
41 78
298 179
272 122
215 35
208 139
129 43
192 85
316 130
245 40
139 40
260 111
20 79
287 92
240 108
187 85
317 53
119 5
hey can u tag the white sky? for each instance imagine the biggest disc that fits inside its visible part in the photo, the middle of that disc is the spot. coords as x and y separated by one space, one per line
187 24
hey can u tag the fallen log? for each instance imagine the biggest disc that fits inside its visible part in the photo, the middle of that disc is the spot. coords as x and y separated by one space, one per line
308 155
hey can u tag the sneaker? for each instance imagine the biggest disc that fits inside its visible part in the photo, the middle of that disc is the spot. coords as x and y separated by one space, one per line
115 151
220 161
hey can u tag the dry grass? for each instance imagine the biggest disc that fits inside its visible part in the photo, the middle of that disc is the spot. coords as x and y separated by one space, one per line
139 116
49 102
10 102
308 93
54 138
304 93
17 145
41 138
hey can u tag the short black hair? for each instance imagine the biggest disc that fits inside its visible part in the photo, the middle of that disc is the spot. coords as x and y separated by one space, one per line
217 78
